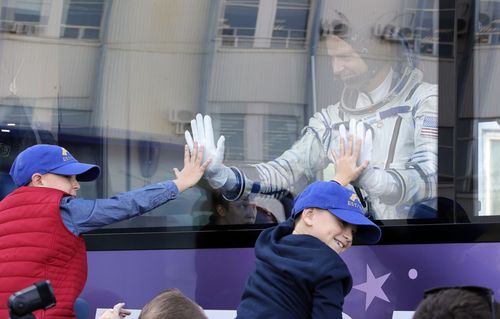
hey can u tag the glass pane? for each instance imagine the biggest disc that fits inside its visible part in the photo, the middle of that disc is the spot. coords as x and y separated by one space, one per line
126 103
233 128
84 12
480 116
280 132
240 18
72 33
272 24
91 34
82 19
377 58
22 10
291 19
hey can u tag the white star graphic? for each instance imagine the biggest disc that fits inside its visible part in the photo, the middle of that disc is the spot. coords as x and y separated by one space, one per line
373 287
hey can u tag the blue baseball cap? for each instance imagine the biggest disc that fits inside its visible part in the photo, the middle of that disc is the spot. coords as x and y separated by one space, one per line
44 158
341 202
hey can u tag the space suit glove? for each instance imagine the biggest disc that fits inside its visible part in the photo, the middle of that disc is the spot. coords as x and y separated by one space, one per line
357 130
216 173
382 184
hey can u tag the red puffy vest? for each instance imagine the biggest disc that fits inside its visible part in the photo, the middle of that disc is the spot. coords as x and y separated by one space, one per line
35 245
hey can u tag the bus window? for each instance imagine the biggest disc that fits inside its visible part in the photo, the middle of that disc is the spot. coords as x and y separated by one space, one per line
280 79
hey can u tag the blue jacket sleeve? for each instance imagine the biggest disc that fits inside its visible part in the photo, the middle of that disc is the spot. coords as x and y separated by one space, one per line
83 215
328 300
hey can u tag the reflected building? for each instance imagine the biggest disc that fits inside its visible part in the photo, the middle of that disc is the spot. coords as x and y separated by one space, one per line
118 82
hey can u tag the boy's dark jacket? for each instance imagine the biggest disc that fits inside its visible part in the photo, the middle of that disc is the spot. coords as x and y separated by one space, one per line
296 276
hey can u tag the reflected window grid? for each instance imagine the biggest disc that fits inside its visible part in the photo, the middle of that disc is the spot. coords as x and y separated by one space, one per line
238 27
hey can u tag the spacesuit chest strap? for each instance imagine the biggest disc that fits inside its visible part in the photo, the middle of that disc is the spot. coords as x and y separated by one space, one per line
378 116
394 141
382 115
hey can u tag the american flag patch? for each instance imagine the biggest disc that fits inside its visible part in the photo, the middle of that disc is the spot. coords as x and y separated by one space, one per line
430 126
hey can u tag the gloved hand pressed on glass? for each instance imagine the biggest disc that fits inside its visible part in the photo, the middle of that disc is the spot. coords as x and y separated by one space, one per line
216 173
357 130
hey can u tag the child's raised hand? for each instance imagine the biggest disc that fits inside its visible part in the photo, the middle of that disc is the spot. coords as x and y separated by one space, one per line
346 168
116 313
193 168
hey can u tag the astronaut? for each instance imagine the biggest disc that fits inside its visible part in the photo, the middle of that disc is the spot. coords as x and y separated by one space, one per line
384 102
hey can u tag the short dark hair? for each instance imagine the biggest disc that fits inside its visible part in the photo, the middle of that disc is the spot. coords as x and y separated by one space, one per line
172 304
454 303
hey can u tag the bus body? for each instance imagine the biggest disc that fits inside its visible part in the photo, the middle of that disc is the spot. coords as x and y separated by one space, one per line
117 82
388 280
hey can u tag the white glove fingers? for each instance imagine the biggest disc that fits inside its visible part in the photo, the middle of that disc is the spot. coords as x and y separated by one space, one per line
352 128
209 132
343 133
189 140
368 145
194 130
343 145
201 129
357 149
360 131
220 147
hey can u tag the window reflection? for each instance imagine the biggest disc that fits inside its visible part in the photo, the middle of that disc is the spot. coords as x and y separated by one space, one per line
22 17
488 170
22 10
78 19
237 28
265 24
479 117
382 87
488 23
125 100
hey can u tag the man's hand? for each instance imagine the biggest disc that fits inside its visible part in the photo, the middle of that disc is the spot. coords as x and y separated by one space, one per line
203 134
193 168
116 313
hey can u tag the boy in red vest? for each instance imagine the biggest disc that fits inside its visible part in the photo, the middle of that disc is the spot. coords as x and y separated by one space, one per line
41 222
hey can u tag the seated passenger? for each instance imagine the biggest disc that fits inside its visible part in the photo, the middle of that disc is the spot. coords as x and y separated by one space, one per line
232 213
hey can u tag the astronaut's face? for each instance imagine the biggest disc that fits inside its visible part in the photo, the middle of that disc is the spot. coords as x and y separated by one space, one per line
346 62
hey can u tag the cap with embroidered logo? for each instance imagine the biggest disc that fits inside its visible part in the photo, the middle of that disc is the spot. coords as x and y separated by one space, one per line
44 158
341 202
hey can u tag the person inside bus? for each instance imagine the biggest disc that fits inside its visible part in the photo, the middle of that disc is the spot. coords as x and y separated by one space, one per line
383 94
41 222
169 304
467 302
299 273
239 212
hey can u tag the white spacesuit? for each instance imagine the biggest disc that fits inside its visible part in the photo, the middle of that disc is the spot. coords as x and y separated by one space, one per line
401 112
403 167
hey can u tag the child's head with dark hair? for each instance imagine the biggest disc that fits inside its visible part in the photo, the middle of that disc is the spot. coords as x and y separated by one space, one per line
242 211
